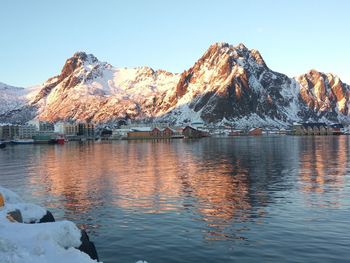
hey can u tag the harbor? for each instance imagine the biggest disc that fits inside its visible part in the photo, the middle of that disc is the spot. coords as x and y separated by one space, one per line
60 133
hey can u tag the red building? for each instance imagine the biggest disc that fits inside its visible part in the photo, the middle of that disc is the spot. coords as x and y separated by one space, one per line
156 133
255 132
167 133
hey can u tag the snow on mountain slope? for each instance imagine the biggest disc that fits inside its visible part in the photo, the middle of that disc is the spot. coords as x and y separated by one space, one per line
228 84
14 103
234 84
88 89
11 98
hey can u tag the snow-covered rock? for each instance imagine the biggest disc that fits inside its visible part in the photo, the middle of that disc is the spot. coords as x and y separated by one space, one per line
36 243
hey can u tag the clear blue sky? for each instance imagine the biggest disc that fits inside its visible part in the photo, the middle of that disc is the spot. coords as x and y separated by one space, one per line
293 36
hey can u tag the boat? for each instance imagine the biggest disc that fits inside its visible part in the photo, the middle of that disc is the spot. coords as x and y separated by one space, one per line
2 145
22 141
60 140
44 139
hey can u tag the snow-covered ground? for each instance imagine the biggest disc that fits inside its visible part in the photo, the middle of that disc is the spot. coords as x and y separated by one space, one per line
54 242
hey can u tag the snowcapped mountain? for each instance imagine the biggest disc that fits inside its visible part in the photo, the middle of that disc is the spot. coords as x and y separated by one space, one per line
88 89
228 84
234 84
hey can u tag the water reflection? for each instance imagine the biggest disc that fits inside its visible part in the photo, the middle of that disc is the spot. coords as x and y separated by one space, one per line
218 181
323 166
222 183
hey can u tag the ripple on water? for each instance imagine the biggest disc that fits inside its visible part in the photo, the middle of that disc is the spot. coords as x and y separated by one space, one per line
276 199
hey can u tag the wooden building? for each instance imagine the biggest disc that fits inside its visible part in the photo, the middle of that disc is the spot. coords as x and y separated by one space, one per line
337 129
255 132
148 133
140 133
316 128
156 132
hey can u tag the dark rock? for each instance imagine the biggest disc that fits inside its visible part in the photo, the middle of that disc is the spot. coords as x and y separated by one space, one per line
87 246
47 218
15 216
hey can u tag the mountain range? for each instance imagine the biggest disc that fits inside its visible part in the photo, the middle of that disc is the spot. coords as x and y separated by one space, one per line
227 85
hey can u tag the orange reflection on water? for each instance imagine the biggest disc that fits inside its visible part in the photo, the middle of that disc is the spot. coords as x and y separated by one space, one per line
151 177
73 175
221 192
147 178
323 164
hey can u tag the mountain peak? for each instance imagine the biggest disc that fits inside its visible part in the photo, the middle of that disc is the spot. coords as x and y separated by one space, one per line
84 57
241 46
78 60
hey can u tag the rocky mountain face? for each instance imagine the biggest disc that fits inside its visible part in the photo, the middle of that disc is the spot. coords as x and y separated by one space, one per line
90 90
234 85
324 94
228 84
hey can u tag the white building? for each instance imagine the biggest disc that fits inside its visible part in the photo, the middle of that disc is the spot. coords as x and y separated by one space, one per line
42 126
27 131
66 128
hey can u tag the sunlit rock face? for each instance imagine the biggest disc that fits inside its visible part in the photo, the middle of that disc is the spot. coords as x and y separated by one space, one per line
233 82
228 84
90 90
324 93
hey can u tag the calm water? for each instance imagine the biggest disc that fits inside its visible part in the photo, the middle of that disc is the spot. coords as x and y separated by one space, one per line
244 199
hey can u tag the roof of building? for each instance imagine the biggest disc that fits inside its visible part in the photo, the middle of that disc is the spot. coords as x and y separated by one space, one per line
337 126
141 129
167 128
313 124
253 129
190 127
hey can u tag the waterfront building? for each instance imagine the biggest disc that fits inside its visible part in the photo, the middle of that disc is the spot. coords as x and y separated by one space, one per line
46 126
86 130
9 131
151 133
165 133
337 128
316 128
255 132
42 126
27 131
67 129
140 133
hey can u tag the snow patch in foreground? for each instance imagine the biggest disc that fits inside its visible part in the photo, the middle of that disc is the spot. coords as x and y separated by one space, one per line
36 243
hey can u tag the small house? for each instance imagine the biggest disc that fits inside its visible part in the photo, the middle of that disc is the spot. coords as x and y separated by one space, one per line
255 132
337 129
312 128
156 133
167 133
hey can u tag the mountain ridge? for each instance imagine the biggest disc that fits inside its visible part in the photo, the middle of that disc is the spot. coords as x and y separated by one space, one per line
227 84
